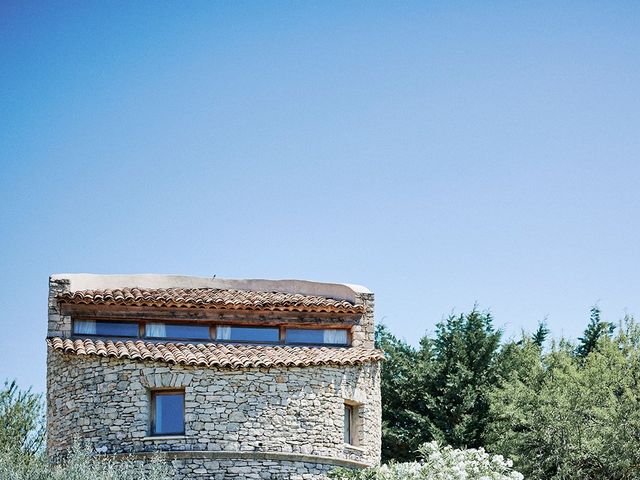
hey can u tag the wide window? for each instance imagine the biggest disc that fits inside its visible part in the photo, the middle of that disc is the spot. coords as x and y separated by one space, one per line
248 334
105 329
176 331
167 412
313 336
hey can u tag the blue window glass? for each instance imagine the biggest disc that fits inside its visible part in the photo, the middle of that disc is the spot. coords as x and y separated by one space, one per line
317 336
167 413
105 329
248 334
177 331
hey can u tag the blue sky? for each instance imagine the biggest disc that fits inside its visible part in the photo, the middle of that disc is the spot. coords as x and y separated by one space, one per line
440 153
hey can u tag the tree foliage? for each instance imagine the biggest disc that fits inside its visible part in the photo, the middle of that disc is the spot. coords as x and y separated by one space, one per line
567 415
438 391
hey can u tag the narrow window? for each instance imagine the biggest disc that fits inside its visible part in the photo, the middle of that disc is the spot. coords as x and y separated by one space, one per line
176 331
248 334
348 424
317 336
167 412
105 329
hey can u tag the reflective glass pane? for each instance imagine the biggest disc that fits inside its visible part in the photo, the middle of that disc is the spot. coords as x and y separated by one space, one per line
169 413
327 336
189 332
105 329
249 334
348 411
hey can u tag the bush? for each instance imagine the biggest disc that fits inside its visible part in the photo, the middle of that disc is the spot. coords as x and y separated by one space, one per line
439 463
81 464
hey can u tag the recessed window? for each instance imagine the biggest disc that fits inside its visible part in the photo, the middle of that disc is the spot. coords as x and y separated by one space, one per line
349 424
176 331
248 334
105 329
167 412
317 336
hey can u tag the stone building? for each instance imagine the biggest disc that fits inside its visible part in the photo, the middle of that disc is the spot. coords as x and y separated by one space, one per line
229 378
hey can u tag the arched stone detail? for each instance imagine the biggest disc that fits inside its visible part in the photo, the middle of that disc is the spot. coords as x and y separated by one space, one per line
166 380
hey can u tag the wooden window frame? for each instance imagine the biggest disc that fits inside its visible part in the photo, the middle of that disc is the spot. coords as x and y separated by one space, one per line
354 423
282 327
152 419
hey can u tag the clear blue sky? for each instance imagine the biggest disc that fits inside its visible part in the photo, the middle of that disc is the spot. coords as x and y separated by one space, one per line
440 153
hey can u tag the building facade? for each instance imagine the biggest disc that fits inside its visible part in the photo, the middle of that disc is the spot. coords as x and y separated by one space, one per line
228 378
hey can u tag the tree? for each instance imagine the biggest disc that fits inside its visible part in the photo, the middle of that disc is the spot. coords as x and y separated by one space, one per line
438 391
465 350
405 403
562 416
540 335
21 420
596 330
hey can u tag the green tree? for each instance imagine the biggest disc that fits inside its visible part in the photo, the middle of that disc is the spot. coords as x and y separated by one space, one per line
465 350
562 416
439 390
405 412
540 335
593 333
21 420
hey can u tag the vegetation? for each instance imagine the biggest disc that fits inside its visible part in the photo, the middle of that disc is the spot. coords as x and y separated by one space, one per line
439 463
22 441
559 410
569 411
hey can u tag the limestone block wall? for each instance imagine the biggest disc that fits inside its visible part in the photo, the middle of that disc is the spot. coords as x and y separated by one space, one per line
239 423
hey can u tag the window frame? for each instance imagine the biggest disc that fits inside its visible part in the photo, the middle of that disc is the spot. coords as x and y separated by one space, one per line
346 344
249 342
153 394
351 437
142 333
99 335
213 327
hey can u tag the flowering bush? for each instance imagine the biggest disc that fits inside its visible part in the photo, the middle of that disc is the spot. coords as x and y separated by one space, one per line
439 463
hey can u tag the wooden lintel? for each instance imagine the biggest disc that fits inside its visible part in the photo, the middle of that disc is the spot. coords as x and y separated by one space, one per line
201 315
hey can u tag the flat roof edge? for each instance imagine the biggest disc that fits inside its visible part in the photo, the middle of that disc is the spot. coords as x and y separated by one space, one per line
91 281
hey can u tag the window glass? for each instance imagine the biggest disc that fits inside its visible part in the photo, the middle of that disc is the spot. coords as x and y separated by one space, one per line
327 336
105 329
167 413
348 422
164 330
248 334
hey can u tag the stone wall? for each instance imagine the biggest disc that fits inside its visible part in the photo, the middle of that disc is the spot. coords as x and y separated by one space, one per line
254 423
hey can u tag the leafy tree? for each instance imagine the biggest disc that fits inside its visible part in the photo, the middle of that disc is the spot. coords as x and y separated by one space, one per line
21 420
562 416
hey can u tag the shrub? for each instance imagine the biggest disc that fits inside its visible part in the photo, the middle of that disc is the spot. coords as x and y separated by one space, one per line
439 463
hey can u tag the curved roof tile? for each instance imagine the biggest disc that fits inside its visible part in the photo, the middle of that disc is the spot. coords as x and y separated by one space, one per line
218 354
211 298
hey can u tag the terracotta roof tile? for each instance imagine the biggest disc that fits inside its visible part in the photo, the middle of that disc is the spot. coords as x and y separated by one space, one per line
211 298
217 354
